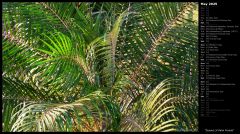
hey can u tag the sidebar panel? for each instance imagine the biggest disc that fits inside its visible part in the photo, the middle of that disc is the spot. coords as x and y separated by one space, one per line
219 50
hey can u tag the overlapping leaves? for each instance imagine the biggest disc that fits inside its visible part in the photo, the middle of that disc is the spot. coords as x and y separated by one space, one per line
61 61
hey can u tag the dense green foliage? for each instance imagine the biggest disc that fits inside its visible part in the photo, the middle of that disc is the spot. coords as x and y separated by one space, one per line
99 66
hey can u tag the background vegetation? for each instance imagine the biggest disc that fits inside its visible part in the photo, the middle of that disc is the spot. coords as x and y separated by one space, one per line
99 66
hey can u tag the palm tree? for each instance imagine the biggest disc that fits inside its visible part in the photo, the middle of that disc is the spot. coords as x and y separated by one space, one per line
99 66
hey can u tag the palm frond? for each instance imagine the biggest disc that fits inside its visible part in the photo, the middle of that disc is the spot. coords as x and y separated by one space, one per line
93 112
97 66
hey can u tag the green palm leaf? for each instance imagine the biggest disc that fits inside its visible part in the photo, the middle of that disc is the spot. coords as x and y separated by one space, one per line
99 66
